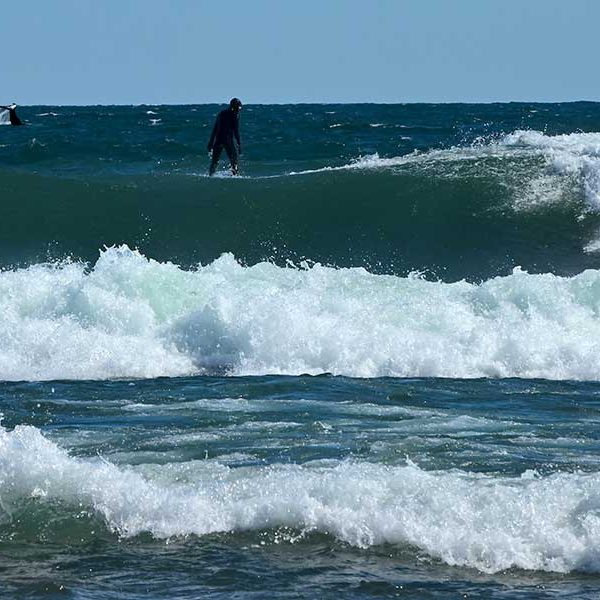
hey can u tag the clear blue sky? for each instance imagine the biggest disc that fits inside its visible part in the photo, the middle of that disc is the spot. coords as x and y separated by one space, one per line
266 51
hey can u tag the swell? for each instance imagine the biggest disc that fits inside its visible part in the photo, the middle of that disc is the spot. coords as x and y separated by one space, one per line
452 218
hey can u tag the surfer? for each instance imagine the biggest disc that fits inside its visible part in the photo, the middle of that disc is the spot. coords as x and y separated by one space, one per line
225 133
12 114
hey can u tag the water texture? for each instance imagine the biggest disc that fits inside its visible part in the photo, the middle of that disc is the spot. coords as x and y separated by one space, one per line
368 367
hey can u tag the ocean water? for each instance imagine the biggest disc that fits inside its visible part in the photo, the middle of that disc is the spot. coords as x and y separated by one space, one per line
368 367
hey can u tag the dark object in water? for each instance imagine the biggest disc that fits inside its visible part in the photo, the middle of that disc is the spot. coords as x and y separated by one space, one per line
12 114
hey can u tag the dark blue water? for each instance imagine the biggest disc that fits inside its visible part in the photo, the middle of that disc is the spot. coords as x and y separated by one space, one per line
299 486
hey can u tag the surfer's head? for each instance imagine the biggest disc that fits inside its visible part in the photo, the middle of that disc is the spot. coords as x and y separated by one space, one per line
235 104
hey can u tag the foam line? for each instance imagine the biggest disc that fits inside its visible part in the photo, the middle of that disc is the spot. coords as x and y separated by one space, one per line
488 523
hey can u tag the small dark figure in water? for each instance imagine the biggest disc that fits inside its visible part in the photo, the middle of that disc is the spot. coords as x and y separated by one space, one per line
225 131
12 114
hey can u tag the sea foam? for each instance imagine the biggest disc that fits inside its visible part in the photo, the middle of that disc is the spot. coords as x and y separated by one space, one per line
134 317
489 523
573 154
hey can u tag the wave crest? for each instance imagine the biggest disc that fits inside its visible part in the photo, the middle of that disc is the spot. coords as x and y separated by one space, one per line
134 317
489 523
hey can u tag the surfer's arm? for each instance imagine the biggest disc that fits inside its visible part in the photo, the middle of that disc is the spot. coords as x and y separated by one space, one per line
213 135
236 133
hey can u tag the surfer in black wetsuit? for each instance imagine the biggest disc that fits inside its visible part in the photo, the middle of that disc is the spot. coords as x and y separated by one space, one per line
12 114
224 135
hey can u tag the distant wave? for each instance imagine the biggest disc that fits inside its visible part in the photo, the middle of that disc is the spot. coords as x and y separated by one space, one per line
576 155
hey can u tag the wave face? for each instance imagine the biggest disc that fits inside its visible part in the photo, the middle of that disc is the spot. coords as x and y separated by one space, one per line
133 317
369 241
454 191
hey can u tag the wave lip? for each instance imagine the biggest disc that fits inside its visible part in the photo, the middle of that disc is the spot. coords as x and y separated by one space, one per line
134 317
488 523
573 154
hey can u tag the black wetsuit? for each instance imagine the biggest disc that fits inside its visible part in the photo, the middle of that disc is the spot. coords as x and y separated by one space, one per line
224 135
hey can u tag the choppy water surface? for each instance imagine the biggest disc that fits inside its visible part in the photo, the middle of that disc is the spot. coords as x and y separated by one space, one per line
300 485
367 368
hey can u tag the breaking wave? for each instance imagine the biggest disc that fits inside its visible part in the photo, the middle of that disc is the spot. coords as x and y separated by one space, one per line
130 316
489 523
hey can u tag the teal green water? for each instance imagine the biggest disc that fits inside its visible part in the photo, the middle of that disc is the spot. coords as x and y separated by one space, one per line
366 368
454 190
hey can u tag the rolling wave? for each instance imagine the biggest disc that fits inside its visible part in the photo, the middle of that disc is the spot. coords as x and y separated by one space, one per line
526 200
489 523
133 317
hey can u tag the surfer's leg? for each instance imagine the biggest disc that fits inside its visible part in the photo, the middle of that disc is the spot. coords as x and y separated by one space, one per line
216 153
233 157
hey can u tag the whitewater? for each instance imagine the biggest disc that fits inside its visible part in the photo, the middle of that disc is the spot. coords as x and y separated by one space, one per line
492 524
129 316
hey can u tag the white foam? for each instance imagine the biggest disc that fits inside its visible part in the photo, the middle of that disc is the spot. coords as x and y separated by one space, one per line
565 158
546 523
134 317
370 161
457 154
573 154
59 322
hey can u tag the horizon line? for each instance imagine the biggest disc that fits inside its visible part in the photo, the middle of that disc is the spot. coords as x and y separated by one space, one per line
319 103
